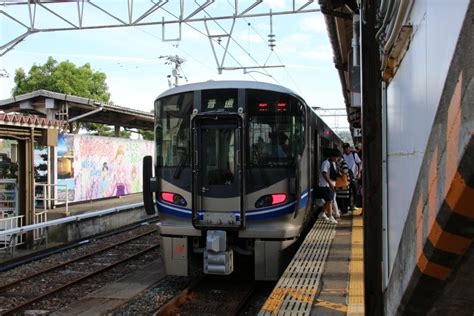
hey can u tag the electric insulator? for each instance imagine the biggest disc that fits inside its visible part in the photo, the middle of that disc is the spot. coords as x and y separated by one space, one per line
271 41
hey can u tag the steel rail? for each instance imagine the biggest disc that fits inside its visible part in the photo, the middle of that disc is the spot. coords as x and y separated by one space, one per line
5 286
21 306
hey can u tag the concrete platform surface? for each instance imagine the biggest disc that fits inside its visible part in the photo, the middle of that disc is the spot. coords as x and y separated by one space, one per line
332 298
95 205
326 275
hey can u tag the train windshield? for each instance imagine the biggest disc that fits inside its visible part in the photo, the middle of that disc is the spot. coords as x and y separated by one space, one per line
276 128
173 124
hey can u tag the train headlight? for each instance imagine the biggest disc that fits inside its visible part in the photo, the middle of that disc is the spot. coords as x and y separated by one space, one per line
173 198
271 199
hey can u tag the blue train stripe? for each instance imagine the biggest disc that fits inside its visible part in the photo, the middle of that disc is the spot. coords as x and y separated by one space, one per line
304 201
304 198
269 209
174 210
250 214
290 208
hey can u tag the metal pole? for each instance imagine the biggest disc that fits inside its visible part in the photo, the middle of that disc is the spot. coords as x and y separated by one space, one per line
30 185
372 176
84 115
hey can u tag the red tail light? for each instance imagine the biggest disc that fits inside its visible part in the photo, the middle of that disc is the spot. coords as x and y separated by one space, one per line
173 198
271 199
278 198
168 197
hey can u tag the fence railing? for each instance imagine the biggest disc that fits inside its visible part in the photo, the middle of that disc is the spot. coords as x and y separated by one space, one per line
40 233
7 224
13 233
46 199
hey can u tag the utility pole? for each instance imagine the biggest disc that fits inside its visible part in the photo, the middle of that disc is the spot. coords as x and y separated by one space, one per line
177 71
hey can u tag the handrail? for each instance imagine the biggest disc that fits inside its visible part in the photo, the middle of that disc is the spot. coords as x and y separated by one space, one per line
48 197
69 219
12 221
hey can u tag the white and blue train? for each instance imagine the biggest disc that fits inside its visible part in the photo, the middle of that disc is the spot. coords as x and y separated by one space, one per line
235 172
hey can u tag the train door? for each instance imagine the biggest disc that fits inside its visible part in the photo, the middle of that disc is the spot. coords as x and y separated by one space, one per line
315 160
217 172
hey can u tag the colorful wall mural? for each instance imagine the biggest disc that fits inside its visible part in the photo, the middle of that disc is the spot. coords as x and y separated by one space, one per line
65 167
95 167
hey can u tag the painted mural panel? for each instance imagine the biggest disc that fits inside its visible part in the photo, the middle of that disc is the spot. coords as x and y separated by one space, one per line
102 167
65 167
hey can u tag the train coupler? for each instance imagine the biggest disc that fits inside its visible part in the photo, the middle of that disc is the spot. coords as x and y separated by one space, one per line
217 259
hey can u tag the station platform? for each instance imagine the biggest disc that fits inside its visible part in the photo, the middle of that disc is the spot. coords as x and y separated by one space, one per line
94 205
325 277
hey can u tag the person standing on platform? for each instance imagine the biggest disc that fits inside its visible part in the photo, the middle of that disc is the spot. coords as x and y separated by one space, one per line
355 171
342 186
327 181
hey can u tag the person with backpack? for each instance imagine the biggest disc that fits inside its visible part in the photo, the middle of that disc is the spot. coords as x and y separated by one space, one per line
343 182
355 172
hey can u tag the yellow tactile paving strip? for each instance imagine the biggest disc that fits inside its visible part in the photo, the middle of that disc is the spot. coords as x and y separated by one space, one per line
356 268
296 290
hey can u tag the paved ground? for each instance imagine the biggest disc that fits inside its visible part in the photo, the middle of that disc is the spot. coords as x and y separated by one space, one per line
333 296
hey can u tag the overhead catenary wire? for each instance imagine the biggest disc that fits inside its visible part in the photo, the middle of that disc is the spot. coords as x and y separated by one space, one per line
276 54
240 46
188 55
177 46
202 33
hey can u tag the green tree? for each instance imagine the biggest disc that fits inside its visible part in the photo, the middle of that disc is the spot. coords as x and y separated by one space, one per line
146 134
105 130
66 77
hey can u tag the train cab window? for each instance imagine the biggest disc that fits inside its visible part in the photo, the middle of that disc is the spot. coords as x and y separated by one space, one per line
219 100
276 128
219 159
173 129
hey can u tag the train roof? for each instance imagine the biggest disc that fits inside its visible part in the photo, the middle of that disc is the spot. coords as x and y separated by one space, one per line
227 84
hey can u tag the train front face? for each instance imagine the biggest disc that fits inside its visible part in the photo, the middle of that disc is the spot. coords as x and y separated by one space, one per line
228 162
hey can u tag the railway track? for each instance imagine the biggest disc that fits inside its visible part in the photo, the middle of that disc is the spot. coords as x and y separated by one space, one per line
21 293
210 295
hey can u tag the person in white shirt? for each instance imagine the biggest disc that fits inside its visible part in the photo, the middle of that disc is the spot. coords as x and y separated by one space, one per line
327 182
355 166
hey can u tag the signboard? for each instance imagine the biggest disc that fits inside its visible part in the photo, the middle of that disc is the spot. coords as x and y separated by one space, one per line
357 132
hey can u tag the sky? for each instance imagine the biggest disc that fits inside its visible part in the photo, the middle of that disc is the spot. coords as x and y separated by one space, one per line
130 56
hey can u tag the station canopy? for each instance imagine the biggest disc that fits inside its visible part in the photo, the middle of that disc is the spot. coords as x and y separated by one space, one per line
70 108
339 17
